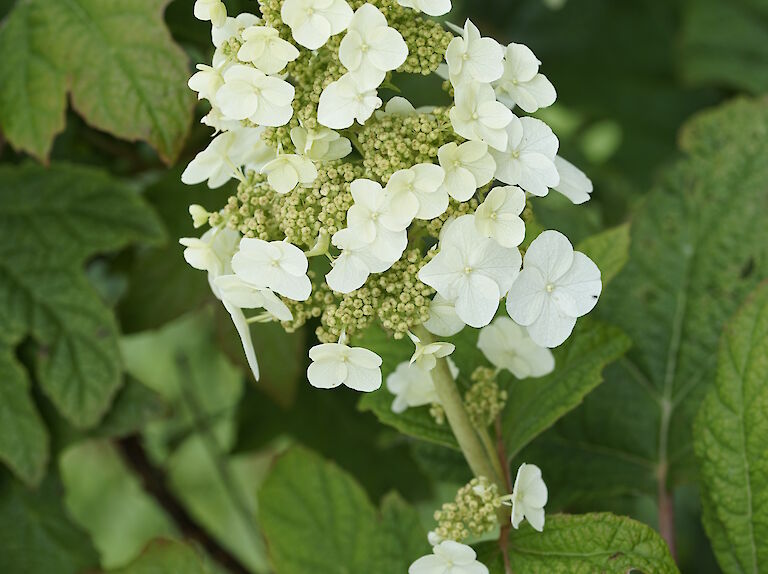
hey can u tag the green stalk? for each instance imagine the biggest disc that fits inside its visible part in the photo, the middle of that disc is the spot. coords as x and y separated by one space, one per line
481 462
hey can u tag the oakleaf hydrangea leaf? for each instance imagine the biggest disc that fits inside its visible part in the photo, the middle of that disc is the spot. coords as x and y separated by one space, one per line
730 438
609 249
537 403
115 58
583 544
696 253
317 519
52 221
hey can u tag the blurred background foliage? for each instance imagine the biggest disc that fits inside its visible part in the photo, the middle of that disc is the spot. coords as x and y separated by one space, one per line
188 439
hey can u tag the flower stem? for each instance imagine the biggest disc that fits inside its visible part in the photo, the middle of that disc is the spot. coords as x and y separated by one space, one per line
480 460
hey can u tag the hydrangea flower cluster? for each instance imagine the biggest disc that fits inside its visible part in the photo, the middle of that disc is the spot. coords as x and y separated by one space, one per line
356 211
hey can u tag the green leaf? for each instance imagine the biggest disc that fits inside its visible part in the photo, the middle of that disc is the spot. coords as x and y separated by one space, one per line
33 99
730 437
726 43
134 407
318 519
609 249
415 422
166 557
37 536
116 58
23 437
536 404
108 502
52 220
583 544
699 245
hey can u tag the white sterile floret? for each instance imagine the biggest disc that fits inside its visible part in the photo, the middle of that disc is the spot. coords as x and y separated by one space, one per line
426 355
556 285
521 84
313 22
219 121
467 167
449 557
498 217
574 183
529 496
380 220
471 271
288 170
529 157
443 320
232 28
370 47
213 10
412 386
219 162
206 82
346 100
249 93
474 59
429 7
478 116
232 289
335 364
320 144
423 181
264 48
355 262
508 346
199 214
275 265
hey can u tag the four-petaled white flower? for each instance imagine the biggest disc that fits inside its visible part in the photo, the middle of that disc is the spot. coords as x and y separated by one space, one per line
474 59
264 48
320 144
412 386
288 170
381 221
426 355
508 346
429 7
556 285
443 320
521 84
449 557
529 496
471 271
478 116
346 100
249 93
313 22
213 10
574 183
275 265
335 364
528 159
370 47
424 182
355 262
498 217
206 82
467 167
219 162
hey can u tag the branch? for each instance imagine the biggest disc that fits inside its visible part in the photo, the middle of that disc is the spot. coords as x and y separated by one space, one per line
153 482
505 526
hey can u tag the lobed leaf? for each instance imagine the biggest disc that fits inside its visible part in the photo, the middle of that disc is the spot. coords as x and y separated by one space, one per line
730 437
583 544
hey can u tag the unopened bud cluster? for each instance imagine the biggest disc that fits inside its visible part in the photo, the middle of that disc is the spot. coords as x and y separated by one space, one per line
472 513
